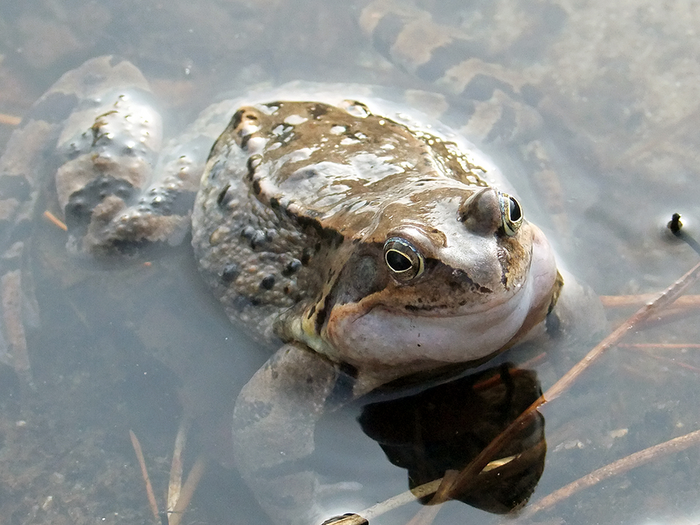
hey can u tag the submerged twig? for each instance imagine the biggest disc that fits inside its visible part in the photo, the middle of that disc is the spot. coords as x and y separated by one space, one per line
622 301
672 362
55 220
613 469
660 346
10 120
685 306
179 495
397 501
144 472
175 482
427 514
187 491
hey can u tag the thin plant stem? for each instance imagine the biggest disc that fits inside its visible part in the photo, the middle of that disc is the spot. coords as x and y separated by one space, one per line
188 490
144 472
9 120
614 469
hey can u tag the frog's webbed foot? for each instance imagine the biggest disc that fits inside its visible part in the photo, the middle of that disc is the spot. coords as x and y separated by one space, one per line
273 431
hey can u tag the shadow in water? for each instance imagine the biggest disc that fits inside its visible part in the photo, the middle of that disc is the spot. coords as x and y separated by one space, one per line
445 427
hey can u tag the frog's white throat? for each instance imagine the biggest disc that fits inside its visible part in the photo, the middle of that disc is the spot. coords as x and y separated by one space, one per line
400 339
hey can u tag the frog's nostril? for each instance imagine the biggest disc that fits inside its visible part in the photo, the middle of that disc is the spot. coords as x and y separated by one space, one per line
481 211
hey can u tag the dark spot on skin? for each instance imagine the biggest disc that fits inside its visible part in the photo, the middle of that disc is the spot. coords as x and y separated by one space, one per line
240 303
291 267
306 174
215 170
329 235
221 199
230 273
274 203
306 256
323 312
160 201
460 277
252 164
257 238
268 282
236 119
256 187
311 311
78 210
244 140
318 110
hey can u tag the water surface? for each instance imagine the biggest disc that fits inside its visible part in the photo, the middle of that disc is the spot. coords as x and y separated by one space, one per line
619 100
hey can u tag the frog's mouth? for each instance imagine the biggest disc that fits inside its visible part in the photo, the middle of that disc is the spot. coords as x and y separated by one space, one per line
393 337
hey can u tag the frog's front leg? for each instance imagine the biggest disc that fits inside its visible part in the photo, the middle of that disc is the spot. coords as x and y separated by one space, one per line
273 431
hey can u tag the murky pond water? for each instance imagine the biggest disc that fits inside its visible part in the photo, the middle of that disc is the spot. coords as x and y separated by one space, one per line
143 346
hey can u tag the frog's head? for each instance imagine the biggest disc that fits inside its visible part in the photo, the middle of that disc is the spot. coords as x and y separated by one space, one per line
450 274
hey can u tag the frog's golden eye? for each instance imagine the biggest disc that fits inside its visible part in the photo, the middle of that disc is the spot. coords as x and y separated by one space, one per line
511 213
403 260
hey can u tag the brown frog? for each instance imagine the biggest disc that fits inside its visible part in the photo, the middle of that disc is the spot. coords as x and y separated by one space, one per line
362 242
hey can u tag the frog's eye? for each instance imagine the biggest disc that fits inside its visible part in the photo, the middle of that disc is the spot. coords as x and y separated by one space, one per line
511 213
402 259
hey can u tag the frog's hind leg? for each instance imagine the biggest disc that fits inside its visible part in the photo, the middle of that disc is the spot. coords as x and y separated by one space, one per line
273 431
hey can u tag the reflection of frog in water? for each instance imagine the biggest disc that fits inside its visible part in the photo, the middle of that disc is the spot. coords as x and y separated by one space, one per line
367 247
445 427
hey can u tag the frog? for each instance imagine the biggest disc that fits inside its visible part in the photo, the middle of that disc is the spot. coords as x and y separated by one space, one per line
359 241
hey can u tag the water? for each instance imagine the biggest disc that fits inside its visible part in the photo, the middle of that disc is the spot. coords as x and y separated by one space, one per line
619 100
